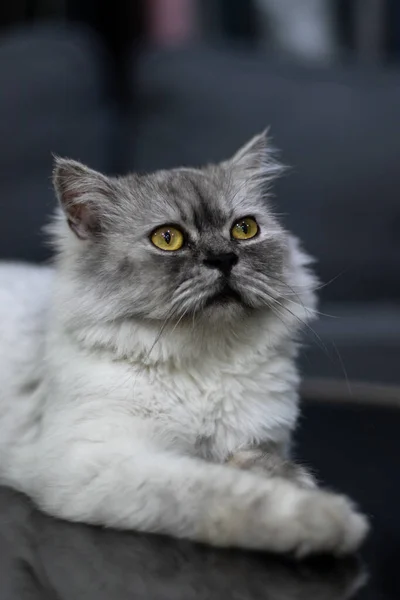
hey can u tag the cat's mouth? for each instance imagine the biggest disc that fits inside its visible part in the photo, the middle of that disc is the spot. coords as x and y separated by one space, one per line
226 295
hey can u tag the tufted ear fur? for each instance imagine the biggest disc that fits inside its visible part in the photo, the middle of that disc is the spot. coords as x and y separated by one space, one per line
84 195
255 161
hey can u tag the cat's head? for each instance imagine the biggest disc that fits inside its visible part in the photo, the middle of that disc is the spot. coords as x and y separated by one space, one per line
178 244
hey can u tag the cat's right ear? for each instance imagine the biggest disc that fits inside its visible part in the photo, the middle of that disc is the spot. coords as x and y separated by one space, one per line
83 194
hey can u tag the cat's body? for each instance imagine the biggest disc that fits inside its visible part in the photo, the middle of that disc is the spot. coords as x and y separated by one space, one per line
236 397
137 386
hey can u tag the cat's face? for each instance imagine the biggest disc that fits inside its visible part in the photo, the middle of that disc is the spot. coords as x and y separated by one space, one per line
177 244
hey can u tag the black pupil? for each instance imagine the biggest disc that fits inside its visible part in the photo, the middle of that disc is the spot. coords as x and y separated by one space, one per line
167 236
245 227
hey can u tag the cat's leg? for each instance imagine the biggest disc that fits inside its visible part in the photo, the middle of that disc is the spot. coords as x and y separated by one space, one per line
120 484
271 460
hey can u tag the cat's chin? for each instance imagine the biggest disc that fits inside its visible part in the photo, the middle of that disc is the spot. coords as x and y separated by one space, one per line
220 315
225 305
226 297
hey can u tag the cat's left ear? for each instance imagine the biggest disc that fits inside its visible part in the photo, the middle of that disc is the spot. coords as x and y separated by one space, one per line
256 160
85 195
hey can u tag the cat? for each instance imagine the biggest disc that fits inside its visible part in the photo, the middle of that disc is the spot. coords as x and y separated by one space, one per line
148 377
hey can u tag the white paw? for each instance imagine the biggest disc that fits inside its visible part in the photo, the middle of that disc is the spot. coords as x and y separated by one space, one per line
277 515
327 523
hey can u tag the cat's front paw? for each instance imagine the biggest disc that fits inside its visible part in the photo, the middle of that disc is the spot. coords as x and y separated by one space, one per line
277 515
327 523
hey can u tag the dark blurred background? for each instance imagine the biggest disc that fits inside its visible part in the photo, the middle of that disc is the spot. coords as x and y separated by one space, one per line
158 83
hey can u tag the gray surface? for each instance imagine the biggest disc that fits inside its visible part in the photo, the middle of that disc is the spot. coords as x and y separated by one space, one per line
44 559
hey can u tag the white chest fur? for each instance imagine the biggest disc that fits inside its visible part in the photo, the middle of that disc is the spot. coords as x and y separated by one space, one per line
214 411
210 408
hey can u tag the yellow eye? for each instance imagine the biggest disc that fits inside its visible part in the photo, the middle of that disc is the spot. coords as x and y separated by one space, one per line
167 238
245 229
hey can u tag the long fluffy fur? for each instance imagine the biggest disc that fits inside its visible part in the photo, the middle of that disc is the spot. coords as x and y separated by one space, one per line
125 397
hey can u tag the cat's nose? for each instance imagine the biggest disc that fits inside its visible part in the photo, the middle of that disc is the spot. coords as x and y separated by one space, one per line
223 262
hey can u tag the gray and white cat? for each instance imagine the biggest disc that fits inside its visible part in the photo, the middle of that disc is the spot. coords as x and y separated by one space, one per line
148 380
